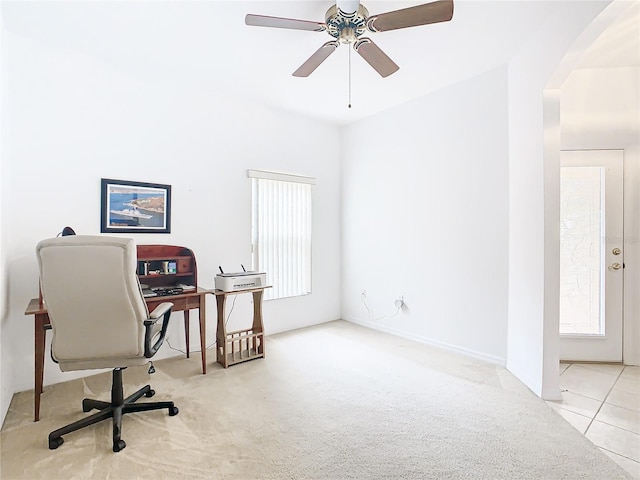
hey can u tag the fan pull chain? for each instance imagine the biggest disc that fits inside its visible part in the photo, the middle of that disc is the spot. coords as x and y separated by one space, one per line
349 78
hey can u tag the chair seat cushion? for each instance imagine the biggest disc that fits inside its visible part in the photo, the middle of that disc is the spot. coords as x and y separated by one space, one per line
91 364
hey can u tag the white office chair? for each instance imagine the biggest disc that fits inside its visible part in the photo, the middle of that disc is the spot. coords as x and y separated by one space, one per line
100 320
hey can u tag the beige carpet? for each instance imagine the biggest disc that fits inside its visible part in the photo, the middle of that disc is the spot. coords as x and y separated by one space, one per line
336 401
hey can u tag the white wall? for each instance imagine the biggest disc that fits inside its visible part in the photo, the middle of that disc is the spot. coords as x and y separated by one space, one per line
425 215
5 362
601 110
76 119
533 327
411 213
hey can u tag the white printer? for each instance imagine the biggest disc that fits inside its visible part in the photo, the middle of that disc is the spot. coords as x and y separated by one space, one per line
232 282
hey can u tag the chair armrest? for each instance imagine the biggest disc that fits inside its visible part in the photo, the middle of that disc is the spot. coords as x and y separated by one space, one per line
161 311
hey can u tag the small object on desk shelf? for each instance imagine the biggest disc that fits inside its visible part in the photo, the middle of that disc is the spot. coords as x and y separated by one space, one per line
185 287
147 292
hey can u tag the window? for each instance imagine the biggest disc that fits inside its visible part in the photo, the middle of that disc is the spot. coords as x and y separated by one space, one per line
281 232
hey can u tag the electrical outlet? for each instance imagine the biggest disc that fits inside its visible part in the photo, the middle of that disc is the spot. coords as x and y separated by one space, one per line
399 303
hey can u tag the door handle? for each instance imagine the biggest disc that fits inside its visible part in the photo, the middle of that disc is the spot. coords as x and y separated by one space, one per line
615 266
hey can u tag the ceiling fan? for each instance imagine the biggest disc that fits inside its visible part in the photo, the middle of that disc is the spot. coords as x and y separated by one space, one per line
347 21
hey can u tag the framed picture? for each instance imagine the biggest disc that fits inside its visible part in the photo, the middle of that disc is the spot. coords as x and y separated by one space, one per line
135 207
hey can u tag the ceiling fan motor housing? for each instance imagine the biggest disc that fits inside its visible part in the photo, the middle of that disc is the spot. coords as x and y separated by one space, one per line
346 27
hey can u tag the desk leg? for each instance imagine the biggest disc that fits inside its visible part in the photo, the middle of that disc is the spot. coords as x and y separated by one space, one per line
221 334
39 325
257 311
186 330
257 319
202 316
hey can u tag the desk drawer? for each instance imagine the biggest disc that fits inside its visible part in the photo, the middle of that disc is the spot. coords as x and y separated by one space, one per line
179 304
193 302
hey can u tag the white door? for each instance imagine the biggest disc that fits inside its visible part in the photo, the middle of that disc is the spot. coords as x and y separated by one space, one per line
591 255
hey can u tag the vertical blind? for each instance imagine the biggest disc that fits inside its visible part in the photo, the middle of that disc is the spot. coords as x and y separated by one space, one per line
281 231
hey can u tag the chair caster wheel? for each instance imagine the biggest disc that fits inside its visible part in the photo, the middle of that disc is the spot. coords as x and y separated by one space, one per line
119 445
55 443
173 411
150 393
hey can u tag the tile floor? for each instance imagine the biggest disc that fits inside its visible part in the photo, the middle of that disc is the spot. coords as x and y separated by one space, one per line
603 402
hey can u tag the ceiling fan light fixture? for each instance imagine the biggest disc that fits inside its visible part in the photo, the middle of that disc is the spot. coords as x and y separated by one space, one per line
348 35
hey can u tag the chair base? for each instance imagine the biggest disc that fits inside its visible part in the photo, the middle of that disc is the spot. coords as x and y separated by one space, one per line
115 409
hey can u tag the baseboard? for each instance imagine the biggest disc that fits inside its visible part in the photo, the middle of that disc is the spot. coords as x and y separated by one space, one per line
502 362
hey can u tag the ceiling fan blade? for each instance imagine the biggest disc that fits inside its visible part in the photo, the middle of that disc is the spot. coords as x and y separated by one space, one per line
434 12
375 57
278 22
316 59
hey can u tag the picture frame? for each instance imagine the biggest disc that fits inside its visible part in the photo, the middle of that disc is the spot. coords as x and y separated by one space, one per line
134 207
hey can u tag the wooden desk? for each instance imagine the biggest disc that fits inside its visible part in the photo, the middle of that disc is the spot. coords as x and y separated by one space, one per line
241 345
184 302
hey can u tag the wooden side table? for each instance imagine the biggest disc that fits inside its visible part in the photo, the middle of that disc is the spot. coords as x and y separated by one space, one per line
241 345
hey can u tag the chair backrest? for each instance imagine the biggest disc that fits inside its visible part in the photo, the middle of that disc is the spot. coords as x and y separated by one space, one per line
93 297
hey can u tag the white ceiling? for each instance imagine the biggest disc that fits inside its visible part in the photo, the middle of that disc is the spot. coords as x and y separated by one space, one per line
206 45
